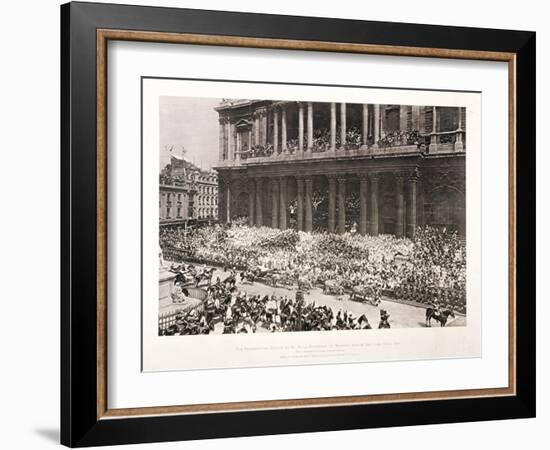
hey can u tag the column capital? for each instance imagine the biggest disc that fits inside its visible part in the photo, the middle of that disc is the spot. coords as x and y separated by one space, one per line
342 179
374 177
415 175
400 177
363 177
224 179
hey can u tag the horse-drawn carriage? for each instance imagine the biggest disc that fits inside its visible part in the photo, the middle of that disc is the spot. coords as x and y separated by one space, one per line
332 287
304 284
189 275
365 294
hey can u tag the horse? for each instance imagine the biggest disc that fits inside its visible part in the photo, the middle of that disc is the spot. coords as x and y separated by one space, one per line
364 322
205 275
231 280
247 277
331 287
442 317
364 294
274 278
184 278
304 284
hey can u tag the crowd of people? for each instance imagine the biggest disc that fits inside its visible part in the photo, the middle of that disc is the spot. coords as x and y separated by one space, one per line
238 312
321 143
430 269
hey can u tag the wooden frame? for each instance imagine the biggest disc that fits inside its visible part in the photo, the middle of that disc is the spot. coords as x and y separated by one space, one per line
86 28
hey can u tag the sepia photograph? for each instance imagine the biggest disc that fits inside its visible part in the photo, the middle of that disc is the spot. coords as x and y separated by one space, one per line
278 224
293 216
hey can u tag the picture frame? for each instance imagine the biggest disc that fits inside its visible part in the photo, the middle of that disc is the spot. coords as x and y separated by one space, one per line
86 418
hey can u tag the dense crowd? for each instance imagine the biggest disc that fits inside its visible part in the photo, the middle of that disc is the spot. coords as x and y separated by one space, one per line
432 268
239 312
321 143
401 137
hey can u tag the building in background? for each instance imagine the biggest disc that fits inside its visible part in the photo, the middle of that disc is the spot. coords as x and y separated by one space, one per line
186 192
332 166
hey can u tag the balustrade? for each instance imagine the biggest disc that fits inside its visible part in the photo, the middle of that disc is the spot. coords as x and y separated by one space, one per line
313 143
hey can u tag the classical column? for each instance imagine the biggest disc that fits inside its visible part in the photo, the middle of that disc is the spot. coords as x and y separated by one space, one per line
221 141
365 124
221 201
341 205
263 126
433 137
275 202
400 206
404 117
309 126
238 145
228 200
415 117
232 142
459 146
333 126
376 124
259 213
374 204
227 139
343 125
251 200
420 202
300 203
331 203
300 127
256 128
363 187
383 120
308 205
275 130
282 203
283 128
411 225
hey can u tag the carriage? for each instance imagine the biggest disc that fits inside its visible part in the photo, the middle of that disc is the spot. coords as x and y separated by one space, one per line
332 287
185 275
304 284
365 294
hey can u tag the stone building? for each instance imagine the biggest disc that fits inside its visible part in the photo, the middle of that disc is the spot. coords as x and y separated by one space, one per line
206 198
186 192
332 166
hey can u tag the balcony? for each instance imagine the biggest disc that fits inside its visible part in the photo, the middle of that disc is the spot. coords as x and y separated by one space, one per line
391 144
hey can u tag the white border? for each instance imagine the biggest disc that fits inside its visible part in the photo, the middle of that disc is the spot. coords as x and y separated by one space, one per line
128 387
283 349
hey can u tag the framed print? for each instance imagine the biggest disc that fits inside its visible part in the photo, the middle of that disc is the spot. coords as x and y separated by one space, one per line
266 231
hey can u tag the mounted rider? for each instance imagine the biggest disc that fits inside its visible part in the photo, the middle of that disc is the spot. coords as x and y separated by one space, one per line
435 305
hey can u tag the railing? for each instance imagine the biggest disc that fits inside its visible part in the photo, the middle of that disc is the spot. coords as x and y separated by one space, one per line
447 141
398 142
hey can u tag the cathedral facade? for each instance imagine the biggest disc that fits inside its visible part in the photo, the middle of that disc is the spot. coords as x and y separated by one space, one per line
336 166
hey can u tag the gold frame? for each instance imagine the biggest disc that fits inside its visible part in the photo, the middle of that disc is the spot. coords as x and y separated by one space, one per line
103 36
